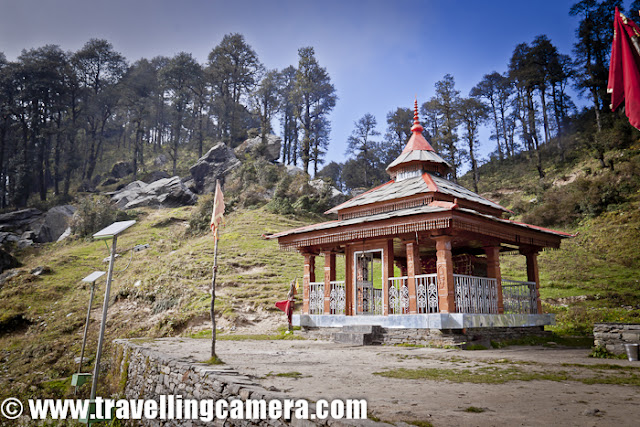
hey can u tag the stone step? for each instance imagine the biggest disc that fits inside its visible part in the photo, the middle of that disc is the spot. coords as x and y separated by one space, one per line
353 338
362 329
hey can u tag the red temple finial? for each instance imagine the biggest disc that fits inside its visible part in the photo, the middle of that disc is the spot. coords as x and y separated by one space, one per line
416 121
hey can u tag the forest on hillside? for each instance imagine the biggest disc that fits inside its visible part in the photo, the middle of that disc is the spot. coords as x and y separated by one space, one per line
61 112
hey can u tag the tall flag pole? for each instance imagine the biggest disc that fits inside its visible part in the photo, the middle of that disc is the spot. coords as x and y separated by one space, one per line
624 69
216 220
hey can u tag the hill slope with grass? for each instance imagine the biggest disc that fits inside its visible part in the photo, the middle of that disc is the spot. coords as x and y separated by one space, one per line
595 276
162 291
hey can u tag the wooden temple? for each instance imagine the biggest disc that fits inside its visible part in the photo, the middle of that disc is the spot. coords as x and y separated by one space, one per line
420 252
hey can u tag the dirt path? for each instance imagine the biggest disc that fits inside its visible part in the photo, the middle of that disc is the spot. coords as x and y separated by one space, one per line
329 370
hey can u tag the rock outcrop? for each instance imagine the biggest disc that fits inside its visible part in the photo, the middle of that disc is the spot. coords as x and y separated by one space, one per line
215 164
53 223
121 169
270 150
322 187
165 193
26 226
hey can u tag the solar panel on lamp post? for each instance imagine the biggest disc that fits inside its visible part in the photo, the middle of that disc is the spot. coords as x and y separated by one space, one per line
80 378
110 232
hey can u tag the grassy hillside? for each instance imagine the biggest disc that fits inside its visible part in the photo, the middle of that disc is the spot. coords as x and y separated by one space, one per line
164 291
594 276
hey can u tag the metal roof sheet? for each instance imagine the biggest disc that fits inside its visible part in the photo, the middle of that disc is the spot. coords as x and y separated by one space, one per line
516 223
412 186
360 220
408 212
393 190
417 155
455 190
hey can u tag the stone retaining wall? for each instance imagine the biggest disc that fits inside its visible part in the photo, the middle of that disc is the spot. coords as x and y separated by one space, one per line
613 336
148 374
438 337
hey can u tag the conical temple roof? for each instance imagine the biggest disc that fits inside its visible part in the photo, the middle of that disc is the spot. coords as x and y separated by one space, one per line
418 153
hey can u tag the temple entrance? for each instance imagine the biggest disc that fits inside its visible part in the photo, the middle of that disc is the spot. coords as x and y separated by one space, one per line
368 282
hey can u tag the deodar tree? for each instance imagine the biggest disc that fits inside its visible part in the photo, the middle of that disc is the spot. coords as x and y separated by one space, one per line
179 78
315 98
233 70
99 68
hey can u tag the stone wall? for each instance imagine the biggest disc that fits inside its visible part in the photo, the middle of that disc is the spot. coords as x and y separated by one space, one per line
438 337
613 336
147 374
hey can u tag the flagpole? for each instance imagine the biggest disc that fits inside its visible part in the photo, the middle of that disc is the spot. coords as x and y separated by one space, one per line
213 297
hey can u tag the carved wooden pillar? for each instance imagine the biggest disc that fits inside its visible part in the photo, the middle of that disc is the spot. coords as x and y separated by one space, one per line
329 276
444 268
413 270
493 272
387 271
308 277
533 275
348 280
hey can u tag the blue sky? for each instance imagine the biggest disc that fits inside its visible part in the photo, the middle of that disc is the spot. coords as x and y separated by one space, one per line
378 54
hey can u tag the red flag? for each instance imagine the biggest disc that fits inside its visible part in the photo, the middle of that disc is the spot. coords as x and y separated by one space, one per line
624 70
218 210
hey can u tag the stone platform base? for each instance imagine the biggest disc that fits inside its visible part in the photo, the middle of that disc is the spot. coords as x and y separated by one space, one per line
426 321
462 338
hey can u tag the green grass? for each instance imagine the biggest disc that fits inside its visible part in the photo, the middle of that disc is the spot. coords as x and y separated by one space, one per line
474 410
215 360
293 374
503 374
486 375
170 282
555 338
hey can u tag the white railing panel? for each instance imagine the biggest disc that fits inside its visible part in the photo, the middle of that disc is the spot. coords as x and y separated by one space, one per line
427 293
476 294
337 297
519 297
316 298
398 295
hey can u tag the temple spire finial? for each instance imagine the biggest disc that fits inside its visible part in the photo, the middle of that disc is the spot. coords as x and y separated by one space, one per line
416 120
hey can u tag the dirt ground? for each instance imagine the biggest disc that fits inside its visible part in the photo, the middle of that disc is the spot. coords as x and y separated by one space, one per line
328 370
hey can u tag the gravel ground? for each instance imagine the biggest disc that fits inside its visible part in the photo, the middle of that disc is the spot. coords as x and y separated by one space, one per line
328 370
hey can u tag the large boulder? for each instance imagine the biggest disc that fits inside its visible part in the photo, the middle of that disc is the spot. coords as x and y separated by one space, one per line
166 193
26 226
155 176
17 226
293 170
215 164
322 187
53 223
7 261
270 149
121 169
19 221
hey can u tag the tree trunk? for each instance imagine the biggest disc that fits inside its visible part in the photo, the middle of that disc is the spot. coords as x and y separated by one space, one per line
497 126
545 120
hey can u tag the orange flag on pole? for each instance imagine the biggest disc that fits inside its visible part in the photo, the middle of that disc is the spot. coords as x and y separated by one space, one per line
218 210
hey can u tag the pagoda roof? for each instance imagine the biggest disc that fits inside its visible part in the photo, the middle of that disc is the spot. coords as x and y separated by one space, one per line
417 151
417 155
425 183
434 207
